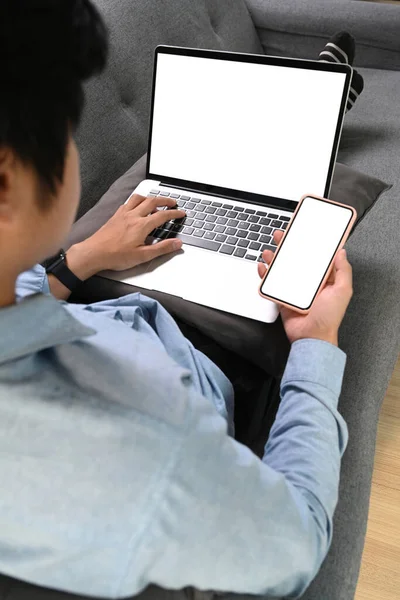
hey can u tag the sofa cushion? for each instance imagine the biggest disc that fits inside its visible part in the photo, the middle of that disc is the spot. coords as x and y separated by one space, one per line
113 133
349 186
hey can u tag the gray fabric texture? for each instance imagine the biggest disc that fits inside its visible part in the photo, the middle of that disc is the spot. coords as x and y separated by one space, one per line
300 28
118 102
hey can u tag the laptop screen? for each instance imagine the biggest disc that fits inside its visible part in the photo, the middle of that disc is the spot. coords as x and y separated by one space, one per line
256 128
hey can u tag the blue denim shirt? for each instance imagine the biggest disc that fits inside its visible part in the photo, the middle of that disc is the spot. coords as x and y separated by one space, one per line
119 469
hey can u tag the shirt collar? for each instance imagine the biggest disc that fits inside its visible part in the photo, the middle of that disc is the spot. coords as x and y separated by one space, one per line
36 323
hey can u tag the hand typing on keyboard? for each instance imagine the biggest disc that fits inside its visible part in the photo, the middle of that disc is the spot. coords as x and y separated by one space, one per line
221 226
121 243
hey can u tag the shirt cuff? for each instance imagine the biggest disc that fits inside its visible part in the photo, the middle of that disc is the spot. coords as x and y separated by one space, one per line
34 281
317 362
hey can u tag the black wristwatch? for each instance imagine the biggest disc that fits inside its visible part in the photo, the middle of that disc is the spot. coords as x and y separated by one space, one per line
57 266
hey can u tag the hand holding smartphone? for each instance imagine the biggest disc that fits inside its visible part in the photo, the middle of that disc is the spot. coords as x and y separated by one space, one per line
300 276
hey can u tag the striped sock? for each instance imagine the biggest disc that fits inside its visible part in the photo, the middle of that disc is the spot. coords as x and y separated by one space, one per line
341 49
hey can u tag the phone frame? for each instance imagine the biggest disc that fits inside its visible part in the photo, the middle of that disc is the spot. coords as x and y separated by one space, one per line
342 242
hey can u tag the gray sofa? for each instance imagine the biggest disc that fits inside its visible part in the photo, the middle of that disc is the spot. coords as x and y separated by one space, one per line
113 136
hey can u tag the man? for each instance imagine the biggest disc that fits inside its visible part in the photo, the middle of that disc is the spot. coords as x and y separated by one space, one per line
117 455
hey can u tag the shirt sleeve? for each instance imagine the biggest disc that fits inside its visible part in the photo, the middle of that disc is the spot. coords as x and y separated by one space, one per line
232 522
33 281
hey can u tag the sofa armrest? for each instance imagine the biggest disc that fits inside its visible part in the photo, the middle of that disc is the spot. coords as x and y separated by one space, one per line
300 28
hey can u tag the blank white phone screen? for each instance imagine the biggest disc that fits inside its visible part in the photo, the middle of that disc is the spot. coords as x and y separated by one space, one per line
306 252
256 128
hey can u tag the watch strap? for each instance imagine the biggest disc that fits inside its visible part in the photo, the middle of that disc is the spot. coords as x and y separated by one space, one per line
59 268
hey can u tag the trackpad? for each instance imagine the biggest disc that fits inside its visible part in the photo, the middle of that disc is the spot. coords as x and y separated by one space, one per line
207 278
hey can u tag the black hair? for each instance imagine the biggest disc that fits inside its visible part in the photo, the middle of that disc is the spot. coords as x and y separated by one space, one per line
48 48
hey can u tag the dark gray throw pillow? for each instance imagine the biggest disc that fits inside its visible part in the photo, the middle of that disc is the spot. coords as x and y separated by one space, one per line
264 345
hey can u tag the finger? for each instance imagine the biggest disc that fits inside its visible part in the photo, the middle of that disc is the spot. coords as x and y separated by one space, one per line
161 217
147 253
344 272
332 276
262 269
134 201
278 235
268 255
150 204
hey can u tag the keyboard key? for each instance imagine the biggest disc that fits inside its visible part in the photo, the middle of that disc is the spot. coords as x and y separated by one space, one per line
167 194
188 230
254 246
240 252
244 225
208 226
285 219
216 204
157 192
185 197
238 208
273 243
266 230
228 206
242 233
250 211
250 257
232 222
255 227
199 243
243 243
211 218
268 248
177 226
200 216
198 224
189 205
242 217
265 239
230 231
221 212
210 210
252 236
227 249
252 218
196 200
206 202
273 216
219 229
276 224
265 221
232 214
220 238
181 203
284 226
260 213
189 221
222 221
191 213
209 235
232 240
198 233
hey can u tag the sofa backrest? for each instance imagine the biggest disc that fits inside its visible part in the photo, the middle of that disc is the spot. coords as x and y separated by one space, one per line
114 130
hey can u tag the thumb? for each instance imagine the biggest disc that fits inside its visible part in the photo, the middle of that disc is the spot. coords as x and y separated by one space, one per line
344 272
147 253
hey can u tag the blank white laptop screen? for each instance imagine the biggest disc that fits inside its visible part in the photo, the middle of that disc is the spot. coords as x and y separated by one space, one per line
250 127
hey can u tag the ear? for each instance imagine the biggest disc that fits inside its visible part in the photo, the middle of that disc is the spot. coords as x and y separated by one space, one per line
7 183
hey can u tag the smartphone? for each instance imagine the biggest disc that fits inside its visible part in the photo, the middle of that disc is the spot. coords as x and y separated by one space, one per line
304 258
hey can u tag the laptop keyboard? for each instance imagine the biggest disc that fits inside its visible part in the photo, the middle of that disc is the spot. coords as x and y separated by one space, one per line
222 227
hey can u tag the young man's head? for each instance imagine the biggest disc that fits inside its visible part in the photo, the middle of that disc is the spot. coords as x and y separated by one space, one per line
48 48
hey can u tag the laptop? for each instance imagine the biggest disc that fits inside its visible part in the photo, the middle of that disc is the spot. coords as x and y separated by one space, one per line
236 140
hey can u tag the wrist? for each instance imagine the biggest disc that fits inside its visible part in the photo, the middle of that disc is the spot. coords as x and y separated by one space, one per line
330 338
83 260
